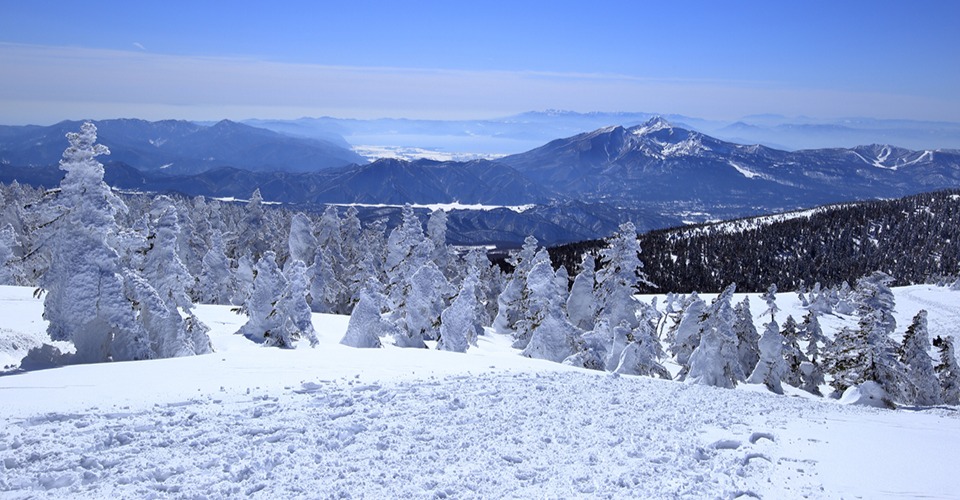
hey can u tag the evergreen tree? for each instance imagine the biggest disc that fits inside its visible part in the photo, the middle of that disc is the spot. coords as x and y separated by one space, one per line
686 337
771 368
792 353
366 324
216 281
948 371
265 322
748 347
85 301
423 300
593 348
811 370
715 361
923 387
510 301
770 297
460 322
407 251
643 352
552 336
327 293
618 277
254 229
523 329
10 273
293 308
582 303
302 243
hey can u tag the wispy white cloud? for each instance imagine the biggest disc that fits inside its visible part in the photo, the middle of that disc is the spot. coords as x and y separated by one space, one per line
47 84
139 46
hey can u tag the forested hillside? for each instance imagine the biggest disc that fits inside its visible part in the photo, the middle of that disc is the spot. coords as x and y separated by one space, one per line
914 239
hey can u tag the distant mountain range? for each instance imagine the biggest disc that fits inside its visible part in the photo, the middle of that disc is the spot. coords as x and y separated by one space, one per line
656 174
179 147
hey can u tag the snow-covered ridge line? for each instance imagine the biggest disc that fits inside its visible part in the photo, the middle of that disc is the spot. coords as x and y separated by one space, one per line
741 225
446 207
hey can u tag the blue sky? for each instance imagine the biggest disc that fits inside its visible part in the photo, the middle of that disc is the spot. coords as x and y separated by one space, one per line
712 59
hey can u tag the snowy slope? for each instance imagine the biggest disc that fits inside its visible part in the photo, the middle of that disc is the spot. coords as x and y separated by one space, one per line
335 421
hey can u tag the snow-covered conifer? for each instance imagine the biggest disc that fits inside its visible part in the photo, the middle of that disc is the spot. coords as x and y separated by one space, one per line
327 293
619 276
293 308
923 387
85 301
845 301
510 300
243 280
811 371
264 320
582 303
771 368
552 336
593 348
443 255
792 354
407 251
686 336
478 265
302 243
716 361
948 370
873 294
162 266
460 322
748 339
523 328
9 264
770 297
423 300
216 281
642 354
253 229
366 324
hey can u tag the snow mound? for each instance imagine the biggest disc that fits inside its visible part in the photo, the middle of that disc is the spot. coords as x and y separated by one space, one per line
866 394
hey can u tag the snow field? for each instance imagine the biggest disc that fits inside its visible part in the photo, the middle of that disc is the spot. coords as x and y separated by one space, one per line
338 422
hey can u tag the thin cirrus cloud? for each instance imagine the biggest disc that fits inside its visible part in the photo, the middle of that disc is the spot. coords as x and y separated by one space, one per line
48 84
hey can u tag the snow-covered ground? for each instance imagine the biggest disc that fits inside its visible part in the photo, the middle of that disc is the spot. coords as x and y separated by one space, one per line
340 422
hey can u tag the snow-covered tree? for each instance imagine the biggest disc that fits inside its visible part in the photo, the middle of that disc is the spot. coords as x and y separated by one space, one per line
460 322
367 324
423 300
510 300
811 370
293 308
582 303
523 328
771 368
618 277
302 243
85 301
10 273
593 348
716 361
642 354
552 336
443 256
792 354
327 293
216 281
243 280
748 339
254 228
162 266
478 265
770 297
873 296
686 336
948 370
923 387
407 251
264 321
844 300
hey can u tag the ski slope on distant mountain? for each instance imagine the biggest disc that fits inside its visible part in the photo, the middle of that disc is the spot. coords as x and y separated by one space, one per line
340 422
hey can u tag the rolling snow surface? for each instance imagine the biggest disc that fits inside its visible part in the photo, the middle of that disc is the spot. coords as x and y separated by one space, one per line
338 422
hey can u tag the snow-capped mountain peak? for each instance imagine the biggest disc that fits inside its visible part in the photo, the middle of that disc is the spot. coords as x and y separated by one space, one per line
655 124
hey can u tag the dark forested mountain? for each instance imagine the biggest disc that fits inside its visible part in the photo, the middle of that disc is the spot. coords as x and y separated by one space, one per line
914 239
178 147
